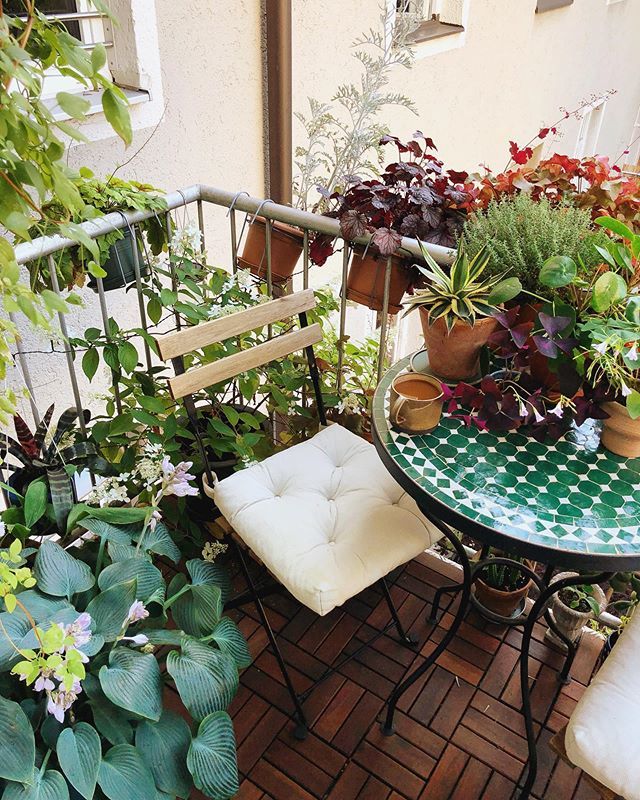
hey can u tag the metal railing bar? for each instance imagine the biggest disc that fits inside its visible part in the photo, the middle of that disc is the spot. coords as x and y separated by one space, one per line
305 260
68 349
104 312
201 224
234 240
269 227
343 314
26 374
143 314
382 348
172 266
28 251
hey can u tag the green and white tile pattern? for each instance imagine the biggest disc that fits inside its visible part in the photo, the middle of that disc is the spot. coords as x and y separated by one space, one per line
572 495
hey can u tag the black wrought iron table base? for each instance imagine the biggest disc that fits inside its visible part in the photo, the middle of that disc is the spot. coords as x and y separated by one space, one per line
540 608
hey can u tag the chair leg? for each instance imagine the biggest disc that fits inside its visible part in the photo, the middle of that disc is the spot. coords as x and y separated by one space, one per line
301 729
407 639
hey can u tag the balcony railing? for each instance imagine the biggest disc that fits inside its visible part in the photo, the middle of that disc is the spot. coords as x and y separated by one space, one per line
236 203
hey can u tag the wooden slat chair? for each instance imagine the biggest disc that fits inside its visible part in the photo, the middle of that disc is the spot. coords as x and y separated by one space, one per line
602 737
324 516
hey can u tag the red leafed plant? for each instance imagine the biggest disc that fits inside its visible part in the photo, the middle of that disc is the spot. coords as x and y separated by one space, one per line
415 197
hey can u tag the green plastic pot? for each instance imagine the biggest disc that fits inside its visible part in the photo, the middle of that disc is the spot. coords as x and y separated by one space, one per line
120 266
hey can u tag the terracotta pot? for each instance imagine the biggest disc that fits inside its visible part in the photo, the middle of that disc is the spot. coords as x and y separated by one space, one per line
568 620
620 433
455 356
501 602
365 281
286 247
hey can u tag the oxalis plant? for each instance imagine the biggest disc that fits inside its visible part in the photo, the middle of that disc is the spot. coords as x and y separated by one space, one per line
93 642
32 166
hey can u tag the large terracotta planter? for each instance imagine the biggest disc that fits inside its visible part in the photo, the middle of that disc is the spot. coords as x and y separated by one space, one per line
620 433
455 356
286 248
569 621
365 281
498 601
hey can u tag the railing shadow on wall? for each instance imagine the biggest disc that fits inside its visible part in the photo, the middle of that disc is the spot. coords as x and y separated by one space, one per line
236 203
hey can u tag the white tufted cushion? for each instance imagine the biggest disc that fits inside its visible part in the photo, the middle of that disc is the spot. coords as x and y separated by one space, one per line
603 734
325 517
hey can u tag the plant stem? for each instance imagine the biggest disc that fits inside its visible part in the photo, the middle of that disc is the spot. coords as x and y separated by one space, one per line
45 761
168 603
100 559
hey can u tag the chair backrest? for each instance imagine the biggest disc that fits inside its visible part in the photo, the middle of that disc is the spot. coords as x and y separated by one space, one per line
174 346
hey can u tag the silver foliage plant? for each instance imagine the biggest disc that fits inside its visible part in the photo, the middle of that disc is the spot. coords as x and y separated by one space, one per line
343 135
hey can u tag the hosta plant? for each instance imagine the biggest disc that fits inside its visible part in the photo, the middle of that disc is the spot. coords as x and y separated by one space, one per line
98 648
464 292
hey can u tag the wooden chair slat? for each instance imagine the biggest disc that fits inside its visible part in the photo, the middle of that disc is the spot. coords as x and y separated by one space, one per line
172 345
230 366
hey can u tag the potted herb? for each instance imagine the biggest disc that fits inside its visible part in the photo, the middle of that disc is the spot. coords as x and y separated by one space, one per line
416 198
573 607
456 311
115 264
518 234
502 588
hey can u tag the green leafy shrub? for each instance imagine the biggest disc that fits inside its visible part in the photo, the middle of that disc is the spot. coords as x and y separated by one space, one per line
519 234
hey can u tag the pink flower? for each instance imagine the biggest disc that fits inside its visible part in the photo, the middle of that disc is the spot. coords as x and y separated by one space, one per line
155 518
44 683
137 612
59 702
80 630
175 480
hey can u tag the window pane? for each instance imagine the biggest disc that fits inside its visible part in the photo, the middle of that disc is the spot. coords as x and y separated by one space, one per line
48 7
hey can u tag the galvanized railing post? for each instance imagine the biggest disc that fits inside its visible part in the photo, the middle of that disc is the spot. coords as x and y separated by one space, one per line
343 313
382 349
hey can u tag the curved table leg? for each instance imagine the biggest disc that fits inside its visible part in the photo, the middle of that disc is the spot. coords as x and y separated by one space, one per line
536 612
564 676
435 605
387 726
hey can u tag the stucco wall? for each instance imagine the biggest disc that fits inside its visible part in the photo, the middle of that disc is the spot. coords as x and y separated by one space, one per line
502 79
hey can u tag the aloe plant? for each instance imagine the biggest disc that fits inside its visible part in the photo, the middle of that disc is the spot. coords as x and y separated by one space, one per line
43 453
463 293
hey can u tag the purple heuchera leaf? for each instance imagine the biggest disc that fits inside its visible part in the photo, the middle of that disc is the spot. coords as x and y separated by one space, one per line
387 241
353 224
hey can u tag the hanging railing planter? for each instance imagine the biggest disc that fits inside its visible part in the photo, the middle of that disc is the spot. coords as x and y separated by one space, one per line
366 280
286 249
120 265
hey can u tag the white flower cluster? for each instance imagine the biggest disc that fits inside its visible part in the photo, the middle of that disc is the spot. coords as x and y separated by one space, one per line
212 550
111 490
349 405
186 240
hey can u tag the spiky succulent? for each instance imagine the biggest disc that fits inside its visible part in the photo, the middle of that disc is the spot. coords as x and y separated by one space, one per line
463 293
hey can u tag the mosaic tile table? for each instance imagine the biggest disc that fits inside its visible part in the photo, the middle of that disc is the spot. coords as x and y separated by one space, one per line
569 504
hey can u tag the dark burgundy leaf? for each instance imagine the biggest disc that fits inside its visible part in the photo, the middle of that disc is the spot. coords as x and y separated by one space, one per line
387 241
353 224
546 346
553 325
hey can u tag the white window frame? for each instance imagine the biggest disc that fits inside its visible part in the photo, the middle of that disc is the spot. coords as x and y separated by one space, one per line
590 128
442 44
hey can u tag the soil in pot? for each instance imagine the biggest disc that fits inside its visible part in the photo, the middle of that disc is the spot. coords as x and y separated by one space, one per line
503 603
455 356
620 433
286 248
365 281
571 621
120 265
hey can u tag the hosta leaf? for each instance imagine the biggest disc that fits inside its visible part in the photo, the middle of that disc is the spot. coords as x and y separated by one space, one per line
109 609
212 757
124 775
164 636
149 578
133 681
159 541
79 754
230 640
206 679
106 530
163 746
60 574
14 627
17 743
50 786
210 574
198 611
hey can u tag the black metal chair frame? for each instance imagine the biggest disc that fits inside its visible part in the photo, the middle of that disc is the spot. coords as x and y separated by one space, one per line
255 593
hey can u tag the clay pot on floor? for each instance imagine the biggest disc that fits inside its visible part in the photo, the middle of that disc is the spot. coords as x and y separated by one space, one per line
455 356
569 620
498 601
286 248
620 433
365 281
